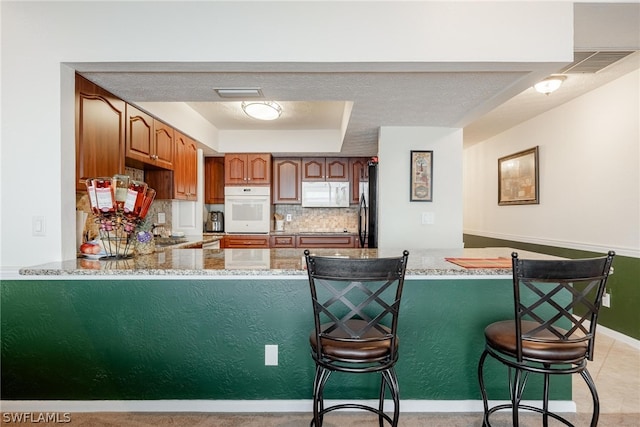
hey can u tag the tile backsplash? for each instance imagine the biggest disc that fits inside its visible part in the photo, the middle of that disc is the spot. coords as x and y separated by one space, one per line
318 219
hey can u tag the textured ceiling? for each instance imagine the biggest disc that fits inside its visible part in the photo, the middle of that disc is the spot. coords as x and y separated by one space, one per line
484 99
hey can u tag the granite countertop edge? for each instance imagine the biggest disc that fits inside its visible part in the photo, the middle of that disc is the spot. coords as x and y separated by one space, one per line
286 263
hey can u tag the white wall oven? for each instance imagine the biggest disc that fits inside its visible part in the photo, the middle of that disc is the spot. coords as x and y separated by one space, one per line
247 209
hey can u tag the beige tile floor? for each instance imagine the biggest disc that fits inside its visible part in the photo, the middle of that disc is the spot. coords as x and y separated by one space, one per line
615 370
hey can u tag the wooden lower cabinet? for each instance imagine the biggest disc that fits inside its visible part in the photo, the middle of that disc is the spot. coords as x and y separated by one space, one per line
284 241
302 241
244 241
334 241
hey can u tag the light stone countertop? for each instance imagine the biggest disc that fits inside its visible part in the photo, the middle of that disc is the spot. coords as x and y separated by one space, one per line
269 262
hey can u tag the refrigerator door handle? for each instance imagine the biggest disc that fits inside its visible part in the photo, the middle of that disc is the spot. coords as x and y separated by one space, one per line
362 221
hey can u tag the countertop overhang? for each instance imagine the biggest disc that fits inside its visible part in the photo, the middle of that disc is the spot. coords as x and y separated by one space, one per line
287 263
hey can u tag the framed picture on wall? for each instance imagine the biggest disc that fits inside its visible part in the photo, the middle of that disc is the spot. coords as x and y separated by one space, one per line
421 182
518 182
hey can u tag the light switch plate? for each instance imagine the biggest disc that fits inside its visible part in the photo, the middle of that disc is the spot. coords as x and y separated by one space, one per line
428 218
161 218
39 226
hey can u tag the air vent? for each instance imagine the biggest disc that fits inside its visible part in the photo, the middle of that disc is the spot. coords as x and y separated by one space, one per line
237 93
592 62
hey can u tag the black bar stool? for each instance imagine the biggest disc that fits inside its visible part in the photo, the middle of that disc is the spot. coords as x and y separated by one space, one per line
355 306
549 335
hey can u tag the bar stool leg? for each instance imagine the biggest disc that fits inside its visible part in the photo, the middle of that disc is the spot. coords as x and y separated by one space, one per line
594 394
483 391
516 395
545 400
319 381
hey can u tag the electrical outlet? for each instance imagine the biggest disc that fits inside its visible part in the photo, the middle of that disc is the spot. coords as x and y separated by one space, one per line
161 218
288 217
270 355
606 300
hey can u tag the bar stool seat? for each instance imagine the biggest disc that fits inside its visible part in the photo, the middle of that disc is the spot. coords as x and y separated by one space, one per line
501 336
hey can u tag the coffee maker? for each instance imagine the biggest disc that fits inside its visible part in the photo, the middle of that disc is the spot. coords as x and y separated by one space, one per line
215 222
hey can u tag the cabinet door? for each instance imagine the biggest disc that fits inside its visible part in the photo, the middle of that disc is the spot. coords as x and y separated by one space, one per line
235 169
259 169
288 241
180 174
359 171
191 172
287 183
163 147
337 169
100 132
313 169
214 180
185 169
240 241
139 137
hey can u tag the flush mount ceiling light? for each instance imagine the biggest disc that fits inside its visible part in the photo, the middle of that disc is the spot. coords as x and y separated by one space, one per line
550 84
262 110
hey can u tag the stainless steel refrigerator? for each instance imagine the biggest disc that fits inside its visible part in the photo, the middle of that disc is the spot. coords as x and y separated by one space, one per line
368 208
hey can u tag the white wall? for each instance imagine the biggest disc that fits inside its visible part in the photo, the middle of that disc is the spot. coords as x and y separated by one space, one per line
400 221
39 38
589 175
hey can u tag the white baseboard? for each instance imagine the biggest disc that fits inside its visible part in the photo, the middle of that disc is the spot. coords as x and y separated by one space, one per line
583 246
244 406
618 336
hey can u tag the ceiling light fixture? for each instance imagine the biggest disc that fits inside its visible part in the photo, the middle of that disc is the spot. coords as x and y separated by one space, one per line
262 110
550 84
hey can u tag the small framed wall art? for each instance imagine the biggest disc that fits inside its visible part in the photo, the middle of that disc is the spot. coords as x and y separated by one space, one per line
518 182
421 185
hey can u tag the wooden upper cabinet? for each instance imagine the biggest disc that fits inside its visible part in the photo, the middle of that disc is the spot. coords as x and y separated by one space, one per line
149 142
313 169
214 180
287 182
164 146
247 169
325 169
185 169
100 132
181 182
359 172
337 169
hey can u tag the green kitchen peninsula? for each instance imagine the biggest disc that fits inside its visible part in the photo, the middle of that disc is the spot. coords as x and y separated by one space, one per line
192 324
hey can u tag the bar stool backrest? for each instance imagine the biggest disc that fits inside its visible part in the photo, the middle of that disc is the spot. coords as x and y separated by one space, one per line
352 296
562 296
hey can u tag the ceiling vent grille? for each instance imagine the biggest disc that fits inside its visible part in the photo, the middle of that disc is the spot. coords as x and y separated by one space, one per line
236 93
592 62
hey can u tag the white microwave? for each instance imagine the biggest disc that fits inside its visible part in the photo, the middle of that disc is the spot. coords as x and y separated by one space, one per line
247 209
325 194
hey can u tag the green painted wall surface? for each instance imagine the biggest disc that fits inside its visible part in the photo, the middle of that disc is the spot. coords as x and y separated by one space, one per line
204 339
624 285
